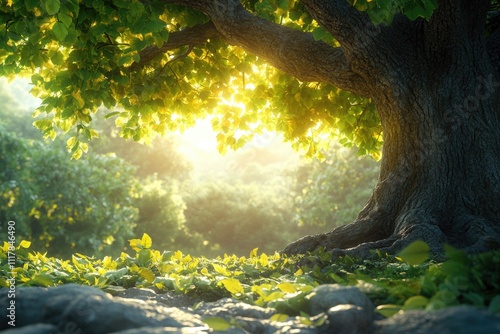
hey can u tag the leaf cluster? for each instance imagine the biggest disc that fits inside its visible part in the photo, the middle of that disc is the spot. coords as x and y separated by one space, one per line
383 11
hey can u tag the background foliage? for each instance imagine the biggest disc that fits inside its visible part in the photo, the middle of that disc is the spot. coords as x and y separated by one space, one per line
94 204
65 206
325 196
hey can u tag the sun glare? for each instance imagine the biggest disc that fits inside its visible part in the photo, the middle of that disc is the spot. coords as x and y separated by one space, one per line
199 145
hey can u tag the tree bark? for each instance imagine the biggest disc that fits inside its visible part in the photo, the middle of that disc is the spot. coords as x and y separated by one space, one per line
439 102
436 85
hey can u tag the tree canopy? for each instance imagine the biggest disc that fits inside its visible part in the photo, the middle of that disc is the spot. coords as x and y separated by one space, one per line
163 64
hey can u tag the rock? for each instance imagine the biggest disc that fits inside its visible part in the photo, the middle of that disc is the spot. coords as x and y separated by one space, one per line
75 308
230 308
453 320
349 319
165 330
326 296
250 319
33 329
169 299
30 302
349 310
79 309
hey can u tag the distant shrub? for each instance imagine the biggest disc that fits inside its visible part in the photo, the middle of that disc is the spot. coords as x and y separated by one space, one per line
67 206
237 218
333 192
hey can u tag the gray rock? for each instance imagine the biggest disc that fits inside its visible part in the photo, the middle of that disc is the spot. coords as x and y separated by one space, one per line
453 320
326 296
169 299
30 302
349 310
74 308
164 330
33 329
79 309
349 319
228 307
291 325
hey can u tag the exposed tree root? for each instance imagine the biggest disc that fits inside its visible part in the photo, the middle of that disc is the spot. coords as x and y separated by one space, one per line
362 237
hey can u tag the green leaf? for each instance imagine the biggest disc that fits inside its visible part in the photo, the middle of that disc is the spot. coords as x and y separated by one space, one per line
65 18
114 290
57 58
147 274
67 113
217 324
146 241
25 244
388 310
416 303
415 12
36 79
283 5
415 253
51 6
144 256
111 114
116 274
42 279
31 4
254 251
77 154
287 287
495 304
60 31
279 317
232 285
318 33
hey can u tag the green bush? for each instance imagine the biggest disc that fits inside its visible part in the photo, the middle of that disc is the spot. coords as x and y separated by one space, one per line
67 206
161 212
237 218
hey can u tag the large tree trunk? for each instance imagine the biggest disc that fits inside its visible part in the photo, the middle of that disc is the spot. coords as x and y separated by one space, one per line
439 102
436 84
440 172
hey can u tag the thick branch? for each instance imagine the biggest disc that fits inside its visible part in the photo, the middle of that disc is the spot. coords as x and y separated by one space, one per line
373 51
350 27
190 36
294 52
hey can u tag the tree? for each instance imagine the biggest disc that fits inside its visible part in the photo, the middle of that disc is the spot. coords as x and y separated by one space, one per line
424 75
67 206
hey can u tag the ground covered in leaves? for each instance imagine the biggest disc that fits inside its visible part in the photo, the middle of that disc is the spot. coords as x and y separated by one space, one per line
394 284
